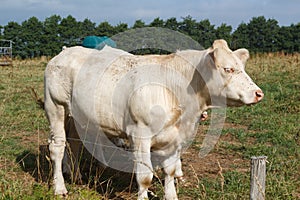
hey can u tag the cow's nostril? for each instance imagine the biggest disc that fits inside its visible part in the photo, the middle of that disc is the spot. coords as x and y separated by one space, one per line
259 95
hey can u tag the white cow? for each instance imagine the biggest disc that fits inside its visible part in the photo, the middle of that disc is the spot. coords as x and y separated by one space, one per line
154 101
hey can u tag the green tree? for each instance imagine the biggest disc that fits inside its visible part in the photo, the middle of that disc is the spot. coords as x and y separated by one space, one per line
172 24
240 37
256 28
263 34
34 38
224 32
68 31
138 24
105 29
87 27
295 29
189 27
272 36
206 33
121 27
32 32
285 39
12 31
51 40
157 22
1 27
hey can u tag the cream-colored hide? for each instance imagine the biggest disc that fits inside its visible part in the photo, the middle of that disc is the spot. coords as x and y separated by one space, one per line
153 101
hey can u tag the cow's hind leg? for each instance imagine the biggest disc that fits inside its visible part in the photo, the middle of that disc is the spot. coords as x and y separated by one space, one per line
57 140
141 142
73 151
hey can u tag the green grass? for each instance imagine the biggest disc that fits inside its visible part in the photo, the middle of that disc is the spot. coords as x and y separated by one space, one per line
270 128
273 125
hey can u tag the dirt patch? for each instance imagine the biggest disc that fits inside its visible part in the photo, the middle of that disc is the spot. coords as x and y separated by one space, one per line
218 161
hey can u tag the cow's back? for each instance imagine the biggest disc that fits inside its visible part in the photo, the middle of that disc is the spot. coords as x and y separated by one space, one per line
84 80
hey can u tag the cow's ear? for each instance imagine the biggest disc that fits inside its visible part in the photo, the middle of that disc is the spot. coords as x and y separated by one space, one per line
220 44
242 54
213 54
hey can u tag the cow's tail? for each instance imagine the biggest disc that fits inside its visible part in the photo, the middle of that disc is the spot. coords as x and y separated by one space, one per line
39 101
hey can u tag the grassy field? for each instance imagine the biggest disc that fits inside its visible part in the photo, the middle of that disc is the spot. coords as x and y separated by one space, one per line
270 128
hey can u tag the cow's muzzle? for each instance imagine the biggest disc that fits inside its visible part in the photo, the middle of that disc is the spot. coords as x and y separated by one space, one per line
259 95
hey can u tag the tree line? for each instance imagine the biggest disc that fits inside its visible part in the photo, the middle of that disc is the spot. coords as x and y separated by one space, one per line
34 38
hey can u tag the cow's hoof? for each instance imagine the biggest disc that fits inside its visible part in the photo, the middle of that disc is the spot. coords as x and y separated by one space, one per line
65 195
171 198
61 192
181 179
204 116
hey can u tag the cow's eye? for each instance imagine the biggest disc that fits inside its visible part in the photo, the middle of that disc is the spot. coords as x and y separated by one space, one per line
228 70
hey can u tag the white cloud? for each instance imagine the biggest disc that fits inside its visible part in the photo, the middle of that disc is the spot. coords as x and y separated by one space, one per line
231 12
146 13
42 5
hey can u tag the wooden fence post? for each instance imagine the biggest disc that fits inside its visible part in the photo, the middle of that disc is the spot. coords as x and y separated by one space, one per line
258 178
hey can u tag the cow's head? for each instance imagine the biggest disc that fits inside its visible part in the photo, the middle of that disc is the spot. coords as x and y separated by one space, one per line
229 79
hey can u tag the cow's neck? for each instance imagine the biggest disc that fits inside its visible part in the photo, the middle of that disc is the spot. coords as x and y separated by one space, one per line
198 74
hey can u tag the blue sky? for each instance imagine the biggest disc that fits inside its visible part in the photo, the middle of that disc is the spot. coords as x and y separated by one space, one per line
231 12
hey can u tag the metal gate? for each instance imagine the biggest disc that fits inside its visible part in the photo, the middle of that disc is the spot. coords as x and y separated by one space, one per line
6 52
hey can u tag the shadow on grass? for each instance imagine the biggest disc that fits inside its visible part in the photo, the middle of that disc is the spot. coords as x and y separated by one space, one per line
110 183
37 165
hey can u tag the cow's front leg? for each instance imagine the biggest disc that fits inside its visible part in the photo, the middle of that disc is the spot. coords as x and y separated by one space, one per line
143 165
172 169
178 172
